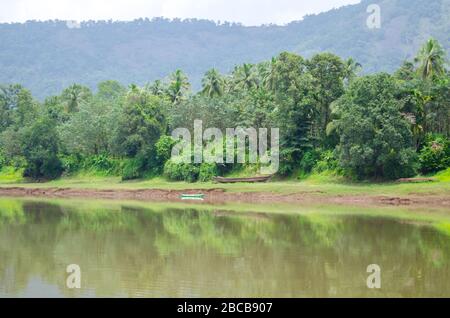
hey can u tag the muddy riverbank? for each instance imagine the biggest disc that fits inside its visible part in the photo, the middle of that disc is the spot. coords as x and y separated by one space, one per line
219 195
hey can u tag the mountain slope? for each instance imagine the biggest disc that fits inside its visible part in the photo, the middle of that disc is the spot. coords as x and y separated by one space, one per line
48 56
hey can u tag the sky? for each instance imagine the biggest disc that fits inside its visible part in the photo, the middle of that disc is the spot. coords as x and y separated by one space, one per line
247 12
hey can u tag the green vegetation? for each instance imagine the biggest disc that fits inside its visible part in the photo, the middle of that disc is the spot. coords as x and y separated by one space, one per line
332 122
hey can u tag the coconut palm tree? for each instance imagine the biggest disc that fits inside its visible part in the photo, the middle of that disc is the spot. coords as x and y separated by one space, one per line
178 86
269 74
156 88
431 60
245 76
213 83
74 95
352 68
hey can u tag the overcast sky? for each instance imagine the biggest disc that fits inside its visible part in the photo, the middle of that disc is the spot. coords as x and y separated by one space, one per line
248 12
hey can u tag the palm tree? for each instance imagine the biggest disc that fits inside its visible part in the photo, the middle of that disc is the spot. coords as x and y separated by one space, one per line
74 95
245 76
156 88
352 68
178 87
269 75
212 83
431 60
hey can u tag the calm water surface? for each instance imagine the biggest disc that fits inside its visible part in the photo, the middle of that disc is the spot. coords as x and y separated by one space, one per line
145 250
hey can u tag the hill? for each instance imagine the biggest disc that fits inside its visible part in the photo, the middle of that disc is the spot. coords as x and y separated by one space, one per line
48 56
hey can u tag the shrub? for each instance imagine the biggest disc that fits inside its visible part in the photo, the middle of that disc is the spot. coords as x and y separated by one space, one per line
173 171
435 156
181 171
70 163
309 161
190 172
401 164
164 149
2 160
102 164
17 162
208 171
46 167
327 162
133 168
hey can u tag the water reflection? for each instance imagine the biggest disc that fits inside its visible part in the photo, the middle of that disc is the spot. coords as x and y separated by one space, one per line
134 251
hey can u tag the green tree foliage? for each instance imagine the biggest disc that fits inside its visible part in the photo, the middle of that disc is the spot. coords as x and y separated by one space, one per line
213 84
181 171
425 91
431 60
141 123
164 149
330 119
178 86
329 72
75 95
351 70
17 107
295 108
40 149
245 77
435 155
375 138
110 91
157 88
18 110
54 109
89 130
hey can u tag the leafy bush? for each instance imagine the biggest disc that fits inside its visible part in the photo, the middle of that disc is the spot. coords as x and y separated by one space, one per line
164 148
133 168
2 160
173 171
327 162
181 171
435 156
17 162
208 171
309 161
401 164
70 163
102 164
190 172
46 167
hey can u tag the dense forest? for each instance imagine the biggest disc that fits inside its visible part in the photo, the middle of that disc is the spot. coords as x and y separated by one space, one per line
331 119
48 56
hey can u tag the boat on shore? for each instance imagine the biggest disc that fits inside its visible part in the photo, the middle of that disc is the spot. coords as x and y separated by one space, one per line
238 180
199 196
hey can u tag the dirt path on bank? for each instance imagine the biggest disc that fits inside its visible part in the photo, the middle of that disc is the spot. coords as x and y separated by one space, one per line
221 196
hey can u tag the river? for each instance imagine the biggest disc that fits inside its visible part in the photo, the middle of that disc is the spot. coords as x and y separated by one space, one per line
138 249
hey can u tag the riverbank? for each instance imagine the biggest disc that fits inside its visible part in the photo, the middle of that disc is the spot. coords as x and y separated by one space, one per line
295 192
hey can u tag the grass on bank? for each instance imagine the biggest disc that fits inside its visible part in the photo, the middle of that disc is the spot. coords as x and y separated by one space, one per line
322 184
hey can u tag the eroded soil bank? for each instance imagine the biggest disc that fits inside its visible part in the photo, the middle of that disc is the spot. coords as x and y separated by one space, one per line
221 196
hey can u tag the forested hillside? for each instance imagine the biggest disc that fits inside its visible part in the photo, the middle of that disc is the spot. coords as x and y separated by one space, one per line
48 56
